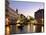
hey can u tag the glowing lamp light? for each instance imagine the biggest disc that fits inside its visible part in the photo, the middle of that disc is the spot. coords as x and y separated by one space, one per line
8 30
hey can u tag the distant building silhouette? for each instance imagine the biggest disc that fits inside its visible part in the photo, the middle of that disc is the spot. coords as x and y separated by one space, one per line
39 15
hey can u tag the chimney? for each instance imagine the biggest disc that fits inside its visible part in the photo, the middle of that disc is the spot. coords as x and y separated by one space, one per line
16 10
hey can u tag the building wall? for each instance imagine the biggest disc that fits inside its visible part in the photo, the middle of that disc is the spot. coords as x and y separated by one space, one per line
39 15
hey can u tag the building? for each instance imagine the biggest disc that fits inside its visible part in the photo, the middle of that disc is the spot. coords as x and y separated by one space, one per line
10 18
39 16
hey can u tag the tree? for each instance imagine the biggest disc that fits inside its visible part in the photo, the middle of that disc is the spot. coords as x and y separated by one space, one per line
30 20
21 19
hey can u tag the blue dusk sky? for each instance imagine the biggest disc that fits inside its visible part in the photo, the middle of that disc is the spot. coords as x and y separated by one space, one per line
26 8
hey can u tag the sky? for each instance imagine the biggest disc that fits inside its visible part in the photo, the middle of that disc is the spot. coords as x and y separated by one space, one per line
26 8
